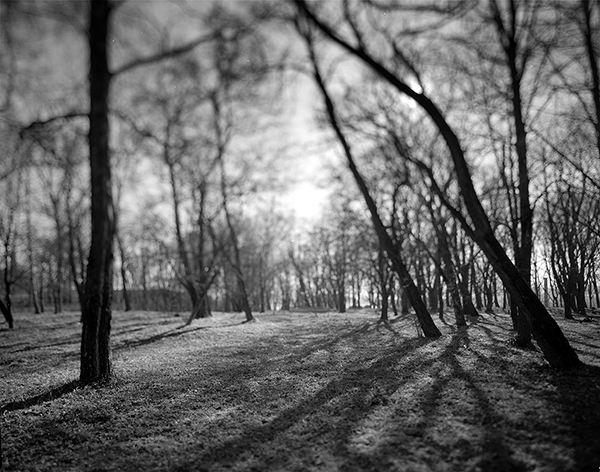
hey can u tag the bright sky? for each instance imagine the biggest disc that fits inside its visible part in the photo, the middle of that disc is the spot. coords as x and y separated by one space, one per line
306 200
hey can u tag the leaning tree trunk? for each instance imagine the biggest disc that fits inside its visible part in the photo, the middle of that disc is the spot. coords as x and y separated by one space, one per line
525 246
96 311
410 289
236 263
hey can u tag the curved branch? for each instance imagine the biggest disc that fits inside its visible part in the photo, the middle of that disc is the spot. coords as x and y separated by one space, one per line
143 61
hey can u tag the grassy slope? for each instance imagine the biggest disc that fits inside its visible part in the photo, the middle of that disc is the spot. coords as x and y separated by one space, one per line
299 392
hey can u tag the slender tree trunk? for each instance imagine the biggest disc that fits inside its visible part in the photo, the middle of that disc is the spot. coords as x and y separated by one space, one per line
126 298
426 322
595 285
236 263
145 294
465 295
58 280
489 296
449 270
34 292
383 282
9 261
76 272
476 287
393 300
41 286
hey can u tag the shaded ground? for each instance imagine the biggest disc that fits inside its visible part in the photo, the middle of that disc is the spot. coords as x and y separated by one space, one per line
299 392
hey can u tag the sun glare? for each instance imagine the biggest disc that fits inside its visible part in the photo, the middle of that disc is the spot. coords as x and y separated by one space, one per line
306 200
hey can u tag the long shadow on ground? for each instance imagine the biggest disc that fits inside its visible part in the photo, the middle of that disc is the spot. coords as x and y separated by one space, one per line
579 393
175 332
354 395
330 428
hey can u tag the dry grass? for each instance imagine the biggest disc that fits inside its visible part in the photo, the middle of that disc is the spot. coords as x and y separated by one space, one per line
299 392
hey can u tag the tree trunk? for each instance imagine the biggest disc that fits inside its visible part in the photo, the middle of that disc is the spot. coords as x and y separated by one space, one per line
6 312
9 261
77 271
96 313
123 271
449 270
383 282
58 280
465 295
41 285
34 292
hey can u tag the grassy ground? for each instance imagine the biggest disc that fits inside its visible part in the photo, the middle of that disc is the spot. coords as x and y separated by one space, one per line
299 392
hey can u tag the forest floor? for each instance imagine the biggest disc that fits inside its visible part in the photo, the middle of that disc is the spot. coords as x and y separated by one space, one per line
298 392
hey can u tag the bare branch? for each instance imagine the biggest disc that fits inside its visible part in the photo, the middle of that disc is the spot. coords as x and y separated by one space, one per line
42 123
143 61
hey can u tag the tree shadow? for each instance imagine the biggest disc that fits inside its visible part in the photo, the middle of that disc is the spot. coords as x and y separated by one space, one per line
578 391
359 392
171 333
47 396
387 325
491 448
72 340
357 389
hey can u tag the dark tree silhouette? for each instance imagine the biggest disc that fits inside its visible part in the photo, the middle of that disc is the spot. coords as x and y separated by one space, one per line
96 310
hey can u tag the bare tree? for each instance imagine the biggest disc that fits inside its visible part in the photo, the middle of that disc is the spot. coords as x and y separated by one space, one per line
426 323
545 330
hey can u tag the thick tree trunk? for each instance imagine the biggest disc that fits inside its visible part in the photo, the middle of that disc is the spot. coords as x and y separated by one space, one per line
96 313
